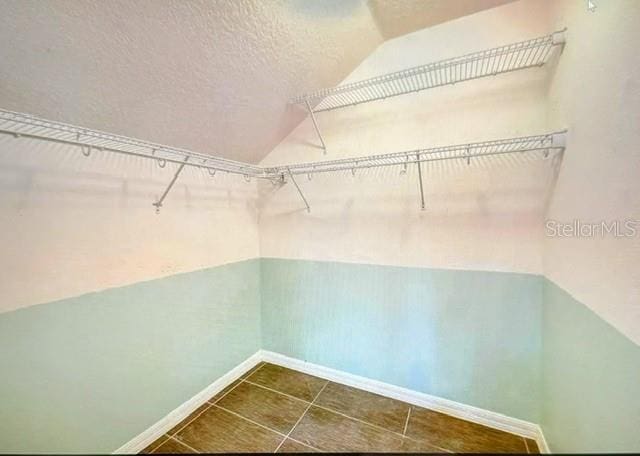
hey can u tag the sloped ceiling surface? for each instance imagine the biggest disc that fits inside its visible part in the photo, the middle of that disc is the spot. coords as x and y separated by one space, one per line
398 17
212 76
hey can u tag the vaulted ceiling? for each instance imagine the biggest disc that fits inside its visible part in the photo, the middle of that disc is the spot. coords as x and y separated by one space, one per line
212 76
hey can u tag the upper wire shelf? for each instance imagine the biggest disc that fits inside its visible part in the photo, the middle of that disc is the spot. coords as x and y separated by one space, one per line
489 62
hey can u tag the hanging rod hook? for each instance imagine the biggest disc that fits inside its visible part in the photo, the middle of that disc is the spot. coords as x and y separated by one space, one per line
212 174
247 178
404 165
468 154
353 170
86 151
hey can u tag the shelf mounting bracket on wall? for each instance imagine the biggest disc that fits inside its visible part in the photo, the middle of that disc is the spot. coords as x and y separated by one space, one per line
420 180
158 204
315 125
299 191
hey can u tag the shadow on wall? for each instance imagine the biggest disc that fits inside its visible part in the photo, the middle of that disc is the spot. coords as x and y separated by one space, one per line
497 185
37 173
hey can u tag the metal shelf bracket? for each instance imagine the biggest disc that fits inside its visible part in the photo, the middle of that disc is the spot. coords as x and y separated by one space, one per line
158 204
298 188
315 125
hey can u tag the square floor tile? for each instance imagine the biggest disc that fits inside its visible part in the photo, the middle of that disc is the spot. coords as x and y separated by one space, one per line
457 435
273 410
288 381
372 408
329 431
219 431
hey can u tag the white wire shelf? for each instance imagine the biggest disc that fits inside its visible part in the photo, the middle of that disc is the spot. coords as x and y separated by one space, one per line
545 144
87 140
21 125
490 62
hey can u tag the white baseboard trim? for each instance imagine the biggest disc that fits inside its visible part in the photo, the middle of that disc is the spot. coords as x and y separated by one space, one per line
145 438
463 411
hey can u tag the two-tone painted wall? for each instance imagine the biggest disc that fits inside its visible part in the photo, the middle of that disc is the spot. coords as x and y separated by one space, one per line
591 324
111 315
446 301
489 216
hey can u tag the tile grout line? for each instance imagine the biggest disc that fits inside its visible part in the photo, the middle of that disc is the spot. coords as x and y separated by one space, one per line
210 404
343 414
276 391
183 444
155 445
262 426
305 444
406 423
302 416
249 420
380 427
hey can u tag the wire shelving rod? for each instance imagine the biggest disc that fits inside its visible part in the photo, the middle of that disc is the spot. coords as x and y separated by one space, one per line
489 62
551 142
86 140
28 126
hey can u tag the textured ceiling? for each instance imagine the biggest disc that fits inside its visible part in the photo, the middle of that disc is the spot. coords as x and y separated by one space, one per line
208 75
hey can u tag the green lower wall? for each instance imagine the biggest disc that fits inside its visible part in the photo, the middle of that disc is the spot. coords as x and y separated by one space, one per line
591 380
468 336
89 373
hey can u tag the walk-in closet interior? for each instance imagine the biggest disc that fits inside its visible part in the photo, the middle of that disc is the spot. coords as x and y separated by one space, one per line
319 226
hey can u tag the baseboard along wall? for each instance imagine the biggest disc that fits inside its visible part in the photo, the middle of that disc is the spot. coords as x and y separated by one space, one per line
456 409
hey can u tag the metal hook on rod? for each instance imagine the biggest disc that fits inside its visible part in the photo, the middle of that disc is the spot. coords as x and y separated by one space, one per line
212 174
404 165
161 161
468 154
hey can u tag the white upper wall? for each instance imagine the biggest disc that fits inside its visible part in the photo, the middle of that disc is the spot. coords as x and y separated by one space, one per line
596 91
487 216
73 225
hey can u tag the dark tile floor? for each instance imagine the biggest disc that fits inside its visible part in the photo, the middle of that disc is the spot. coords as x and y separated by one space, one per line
274 409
